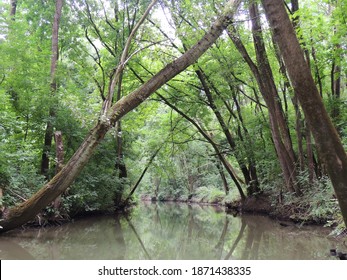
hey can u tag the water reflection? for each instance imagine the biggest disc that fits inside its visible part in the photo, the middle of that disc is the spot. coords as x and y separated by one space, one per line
170 231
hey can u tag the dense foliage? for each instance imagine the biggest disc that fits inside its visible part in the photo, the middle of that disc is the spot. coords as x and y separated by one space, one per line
214 109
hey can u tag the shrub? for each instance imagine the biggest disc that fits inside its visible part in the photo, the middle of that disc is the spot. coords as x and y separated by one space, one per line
210 194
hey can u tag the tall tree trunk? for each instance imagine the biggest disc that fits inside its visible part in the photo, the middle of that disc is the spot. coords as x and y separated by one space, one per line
318 76
336 83
120 166
310 157
299 134
278 122
47 145
59 151
2 208
222 176
13 9
157 181
265 80
328 143
301 124
59 155
298 119
13 18
253 184
54 61
18 215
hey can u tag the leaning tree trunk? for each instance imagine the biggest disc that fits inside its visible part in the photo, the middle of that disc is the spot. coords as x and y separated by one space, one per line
328 143
211 103
18 215
278 123
270 95
220 155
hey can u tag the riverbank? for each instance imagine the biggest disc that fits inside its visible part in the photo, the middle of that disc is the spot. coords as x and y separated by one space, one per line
168 231
288 209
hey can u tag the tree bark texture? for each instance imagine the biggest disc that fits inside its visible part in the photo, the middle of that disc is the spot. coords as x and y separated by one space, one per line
59 151
326 137
300 124
18 215
47 146
55 41
59 158
278 122
263 74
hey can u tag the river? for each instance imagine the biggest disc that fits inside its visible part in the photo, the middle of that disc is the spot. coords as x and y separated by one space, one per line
171 231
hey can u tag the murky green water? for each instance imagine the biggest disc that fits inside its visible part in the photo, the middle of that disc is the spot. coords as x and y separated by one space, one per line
170 231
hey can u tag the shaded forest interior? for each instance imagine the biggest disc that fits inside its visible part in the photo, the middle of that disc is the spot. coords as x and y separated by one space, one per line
241 103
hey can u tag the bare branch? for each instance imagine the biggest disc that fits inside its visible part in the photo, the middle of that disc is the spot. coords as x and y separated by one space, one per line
123 60
98 62
97 31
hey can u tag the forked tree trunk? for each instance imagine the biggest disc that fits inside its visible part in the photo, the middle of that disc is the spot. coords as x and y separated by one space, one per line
270 95
327 140
18 215
278 122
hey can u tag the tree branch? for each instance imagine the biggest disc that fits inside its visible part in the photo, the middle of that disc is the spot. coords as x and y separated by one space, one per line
123 60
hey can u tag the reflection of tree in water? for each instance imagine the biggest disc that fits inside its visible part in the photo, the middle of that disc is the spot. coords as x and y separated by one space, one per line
192 232
168 231
254 235
262 238
237 240
92 238
138 238
220 245
10 250
178 231
120 252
